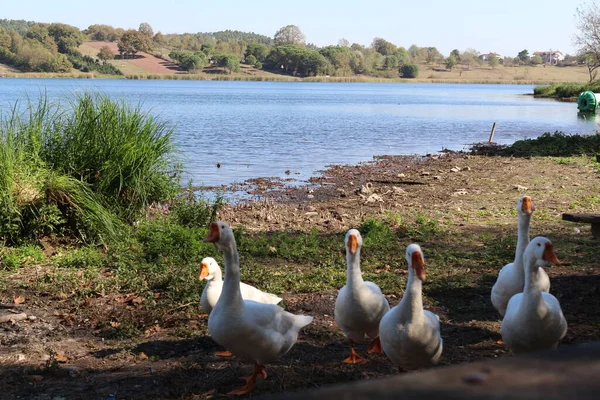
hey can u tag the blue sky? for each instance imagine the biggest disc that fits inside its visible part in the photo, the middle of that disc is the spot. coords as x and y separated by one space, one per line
505 26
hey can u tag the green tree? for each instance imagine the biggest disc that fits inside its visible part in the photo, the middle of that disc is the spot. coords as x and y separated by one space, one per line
146 29
102 33
391 62
383 47
207 48
159 39
456 54
536 59
67 37
229 62
469 57
493 60
523 56
451 62
289 34
105 54
409 71
131 42
251 59
433 55
258 50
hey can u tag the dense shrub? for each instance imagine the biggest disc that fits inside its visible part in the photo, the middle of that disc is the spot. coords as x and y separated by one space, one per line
251 60
409 71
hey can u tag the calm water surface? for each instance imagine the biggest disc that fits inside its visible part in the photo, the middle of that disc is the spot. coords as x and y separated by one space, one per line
256 129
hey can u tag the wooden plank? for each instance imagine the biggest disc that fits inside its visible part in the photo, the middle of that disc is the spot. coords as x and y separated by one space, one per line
570 372
588 218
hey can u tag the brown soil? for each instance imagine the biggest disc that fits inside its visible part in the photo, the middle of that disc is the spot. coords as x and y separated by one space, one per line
64 353
152 64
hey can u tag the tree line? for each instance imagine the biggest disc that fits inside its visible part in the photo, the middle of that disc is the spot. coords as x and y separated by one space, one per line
43 47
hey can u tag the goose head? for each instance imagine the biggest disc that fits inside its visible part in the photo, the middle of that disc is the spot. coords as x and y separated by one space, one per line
221 235
415 260
525 206
208 268
353 241
542 251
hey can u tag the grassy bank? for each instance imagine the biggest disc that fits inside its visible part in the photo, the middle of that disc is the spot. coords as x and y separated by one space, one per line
565 91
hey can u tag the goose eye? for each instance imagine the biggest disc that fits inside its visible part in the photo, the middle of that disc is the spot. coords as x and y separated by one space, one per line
539 245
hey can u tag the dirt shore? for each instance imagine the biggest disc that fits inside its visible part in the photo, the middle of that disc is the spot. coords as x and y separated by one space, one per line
468 202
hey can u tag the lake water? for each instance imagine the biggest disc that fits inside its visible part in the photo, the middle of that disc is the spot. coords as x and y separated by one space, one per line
257 129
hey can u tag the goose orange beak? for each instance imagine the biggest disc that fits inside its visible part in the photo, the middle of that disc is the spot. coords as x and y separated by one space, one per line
203 271
418 264
549 254
527 206
213 233
352 243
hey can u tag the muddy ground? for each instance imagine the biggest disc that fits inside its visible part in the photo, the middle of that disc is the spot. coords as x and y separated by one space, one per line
61 353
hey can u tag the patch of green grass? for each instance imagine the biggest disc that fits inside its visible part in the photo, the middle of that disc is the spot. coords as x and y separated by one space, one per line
84 257
13 258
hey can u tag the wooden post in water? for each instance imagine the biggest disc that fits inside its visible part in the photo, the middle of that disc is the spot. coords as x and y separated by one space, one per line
492 133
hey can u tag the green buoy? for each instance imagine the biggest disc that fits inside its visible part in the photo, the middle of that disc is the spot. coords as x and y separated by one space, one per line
588 101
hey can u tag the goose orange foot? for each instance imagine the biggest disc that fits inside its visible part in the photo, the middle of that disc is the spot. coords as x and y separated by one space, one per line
259 370
375 346
354 358
223 353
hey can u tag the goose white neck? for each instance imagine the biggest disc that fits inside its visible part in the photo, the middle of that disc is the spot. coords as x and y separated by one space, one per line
412 301
522 236
531 291
231 286
217 275
353 273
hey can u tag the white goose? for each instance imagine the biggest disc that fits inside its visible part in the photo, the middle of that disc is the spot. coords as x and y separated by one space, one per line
250 330
511 277
359 305
534 319
410 336
211 272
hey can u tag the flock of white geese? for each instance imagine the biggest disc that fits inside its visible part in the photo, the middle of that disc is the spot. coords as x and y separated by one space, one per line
250 325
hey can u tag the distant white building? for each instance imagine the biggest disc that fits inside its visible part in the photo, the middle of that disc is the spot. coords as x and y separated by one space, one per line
551 57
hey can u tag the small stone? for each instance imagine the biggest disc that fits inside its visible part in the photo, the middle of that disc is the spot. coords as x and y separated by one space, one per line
311 214
398 190
466 168
425 173
310 208
519 188
310 196
437 177
455 169
31 317
400 176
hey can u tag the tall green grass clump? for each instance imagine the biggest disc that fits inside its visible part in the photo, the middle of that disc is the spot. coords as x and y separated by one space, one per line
81 171
124 154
